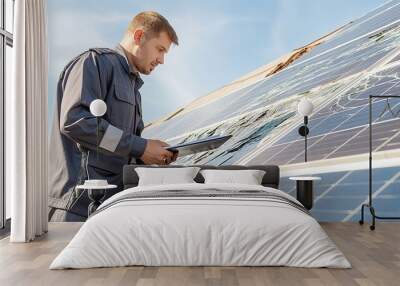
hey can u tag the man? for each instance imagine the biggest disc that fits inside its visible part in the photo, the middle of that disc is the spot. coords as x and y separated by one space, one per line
113 76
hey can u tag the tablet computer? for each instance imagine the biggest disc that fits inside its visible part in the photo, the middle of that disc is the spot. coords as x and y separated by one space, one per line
201 145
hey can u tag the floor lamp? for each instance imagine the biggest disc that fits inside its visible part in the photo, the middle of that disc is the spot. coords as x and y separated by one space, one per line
369 204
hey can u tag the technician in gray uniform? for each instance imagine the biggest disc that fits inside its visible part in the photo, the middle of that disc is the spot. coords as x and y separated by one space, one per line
113 76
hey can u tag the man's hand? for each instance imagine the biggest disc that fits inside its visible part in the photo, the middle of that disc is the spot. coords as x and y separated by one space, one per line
155 153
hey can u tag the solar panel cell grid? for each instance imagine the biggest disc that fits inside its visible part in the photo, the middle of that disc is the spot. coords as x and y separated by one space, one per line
338 76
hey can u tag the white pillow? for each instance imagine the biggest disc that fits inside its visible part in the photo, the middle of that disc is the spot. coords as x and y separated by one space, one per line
163 176
248 177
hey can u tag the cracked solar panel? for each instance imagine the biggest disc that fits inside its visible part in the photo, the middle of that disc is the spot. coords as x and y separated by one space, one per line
336 75
302 78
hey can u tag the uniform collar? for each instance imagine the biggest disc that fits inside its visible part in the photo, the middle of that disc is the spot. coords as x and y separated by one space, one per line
129 68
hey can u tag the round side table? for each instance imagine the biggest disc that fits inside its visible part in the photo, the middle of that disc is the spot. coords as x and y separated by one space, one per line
304 190
96 194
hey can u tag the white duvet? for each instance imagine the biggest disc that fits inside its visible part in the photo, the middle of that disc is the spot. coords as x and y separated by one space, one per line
200 231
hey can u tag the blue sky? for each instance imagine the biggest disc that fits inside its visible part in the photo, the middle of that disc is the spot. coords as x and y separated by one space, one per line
219 40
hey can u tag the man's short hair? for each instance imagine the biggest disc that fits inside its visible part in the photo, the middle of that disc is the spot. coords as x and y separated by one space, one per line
153 23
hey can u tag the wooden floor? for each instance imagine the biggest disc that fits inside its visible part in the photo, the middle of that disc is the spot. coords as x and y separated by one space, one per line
375 257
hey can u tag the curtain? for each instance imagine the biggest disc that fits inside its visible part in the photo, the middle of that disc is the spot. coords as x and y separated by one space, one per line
26 123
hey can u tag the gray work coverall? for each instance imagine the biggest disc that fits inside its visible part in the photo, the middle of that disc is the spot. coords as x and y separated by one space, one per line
95 74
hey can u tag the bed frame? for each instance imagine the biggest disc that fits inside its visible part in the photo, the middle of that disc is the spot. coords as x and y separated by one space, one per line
270 179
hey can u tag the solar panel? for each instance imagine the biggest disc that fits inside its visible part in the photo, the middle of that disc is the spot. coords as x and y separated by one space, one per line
338 75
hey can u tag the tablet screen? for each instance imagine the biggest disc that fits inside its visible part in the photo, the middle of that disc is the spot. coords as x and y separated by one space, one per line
201 145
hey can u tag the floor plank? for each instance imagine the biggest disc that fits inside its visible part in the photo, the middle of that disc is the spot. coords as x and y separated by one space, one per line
375 257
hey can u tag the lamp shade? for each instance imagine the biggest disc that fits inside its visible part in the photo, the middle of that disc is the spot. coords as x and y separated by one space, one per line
305 107
98 107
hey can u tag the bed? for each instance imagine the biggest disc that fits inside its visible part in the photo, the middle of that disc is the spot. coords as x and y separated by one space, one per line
198 224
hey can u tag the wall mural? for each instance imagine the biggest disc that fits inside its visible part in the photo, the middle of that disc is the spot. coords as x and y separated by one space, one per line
337 75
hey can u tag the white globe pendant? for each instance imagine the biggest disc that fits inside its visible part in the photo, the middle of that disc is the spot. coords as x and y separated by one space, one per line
305 107
98 107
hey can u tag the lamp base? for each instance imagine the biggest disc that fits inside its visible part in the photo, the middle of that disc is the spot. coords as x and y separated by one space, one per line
303 130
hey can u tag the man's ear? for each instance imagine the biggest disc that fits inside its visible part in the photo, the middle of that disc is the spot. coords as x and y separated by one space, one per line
138 36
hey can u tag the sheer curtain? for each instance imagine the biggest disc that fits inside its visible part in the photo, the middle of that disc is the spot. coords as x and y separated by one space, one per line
26 123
